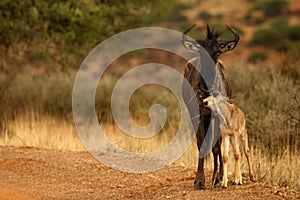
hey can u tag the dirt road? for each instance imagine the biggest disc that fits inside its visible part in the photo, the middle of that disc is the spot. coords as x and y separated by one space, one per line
29 173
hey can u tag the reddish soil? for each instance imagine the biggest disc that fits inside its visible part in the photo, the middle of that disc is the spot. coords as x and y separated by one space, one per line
29 173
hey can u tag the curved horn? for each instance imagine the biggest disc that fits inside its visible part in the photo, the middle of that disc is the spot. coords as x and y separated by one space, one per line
236 35
184 38
208 34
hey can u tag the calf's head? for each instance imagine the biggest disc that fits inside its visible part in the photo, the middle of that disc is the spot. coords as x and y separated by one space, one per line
214 102
209 102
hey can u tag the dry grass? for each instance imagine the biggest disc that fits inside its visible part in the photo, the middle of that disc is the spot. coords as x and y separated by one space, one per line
42 131
31 129
269 99
277 169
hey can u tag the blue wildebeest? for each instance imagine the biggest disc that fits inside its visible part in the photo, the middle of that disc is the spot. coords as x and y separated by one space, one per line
202 85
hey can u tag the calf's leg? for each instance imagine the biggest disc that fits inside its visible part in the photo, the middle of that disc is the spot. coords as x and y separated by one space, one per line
244 141
237 171
225 143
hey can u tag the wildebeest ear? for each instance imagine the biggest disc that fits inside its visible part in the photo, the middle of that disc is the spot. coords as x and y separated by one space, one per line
191 46
224 47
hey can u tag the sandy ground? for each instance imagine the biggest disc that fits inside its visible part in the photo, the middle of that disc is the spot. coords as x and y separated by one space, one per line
30 173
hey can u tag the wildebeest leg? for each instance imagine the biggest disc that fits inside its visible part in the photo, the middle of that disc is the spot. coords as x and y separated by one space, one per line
217 177
199 183
221 170
217 153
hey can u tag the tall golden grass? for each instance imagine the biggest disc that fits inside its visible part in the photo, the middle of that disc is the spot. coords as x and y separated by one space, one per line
43 131
36 112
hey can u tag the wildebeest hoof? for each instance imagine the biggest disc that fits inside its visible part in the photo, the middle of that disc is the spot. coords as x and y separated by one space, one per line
224 187
218 181
234 183
240 184
218 185
199 187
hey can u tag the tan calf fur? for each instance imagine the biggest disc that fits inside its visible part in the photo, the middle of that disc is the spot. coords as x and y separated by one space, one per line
233 130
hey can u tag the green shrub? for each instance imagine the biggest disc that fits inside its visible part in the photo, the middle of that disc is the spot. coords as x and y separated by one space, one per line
269 99
271 7
290 65
278 31
257 56
175 15
283 46
68 28
205 15
293 32
45 94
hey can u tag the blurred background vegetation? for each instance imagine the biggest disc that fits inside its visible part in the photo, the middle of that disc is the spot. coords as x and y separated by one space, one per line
42 44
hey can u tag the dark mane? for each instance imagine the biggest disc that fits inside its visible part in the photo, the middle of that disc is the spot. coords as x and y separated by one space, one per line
214 35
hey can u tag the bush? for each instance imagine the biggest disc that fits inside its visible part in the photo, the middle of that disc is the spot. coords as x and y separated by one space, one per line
68 28
257 56
254 17
283 46
279 31
205 15
44 94
271 8
290 65
271 103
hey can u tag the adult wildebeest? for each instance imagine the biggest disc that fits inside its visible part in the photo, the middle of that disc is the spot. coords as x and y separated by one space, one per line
194 73
233 130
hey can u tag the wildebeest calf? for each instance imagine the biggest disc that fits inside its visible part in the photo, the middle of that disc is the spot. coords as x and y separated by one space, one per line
233 130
